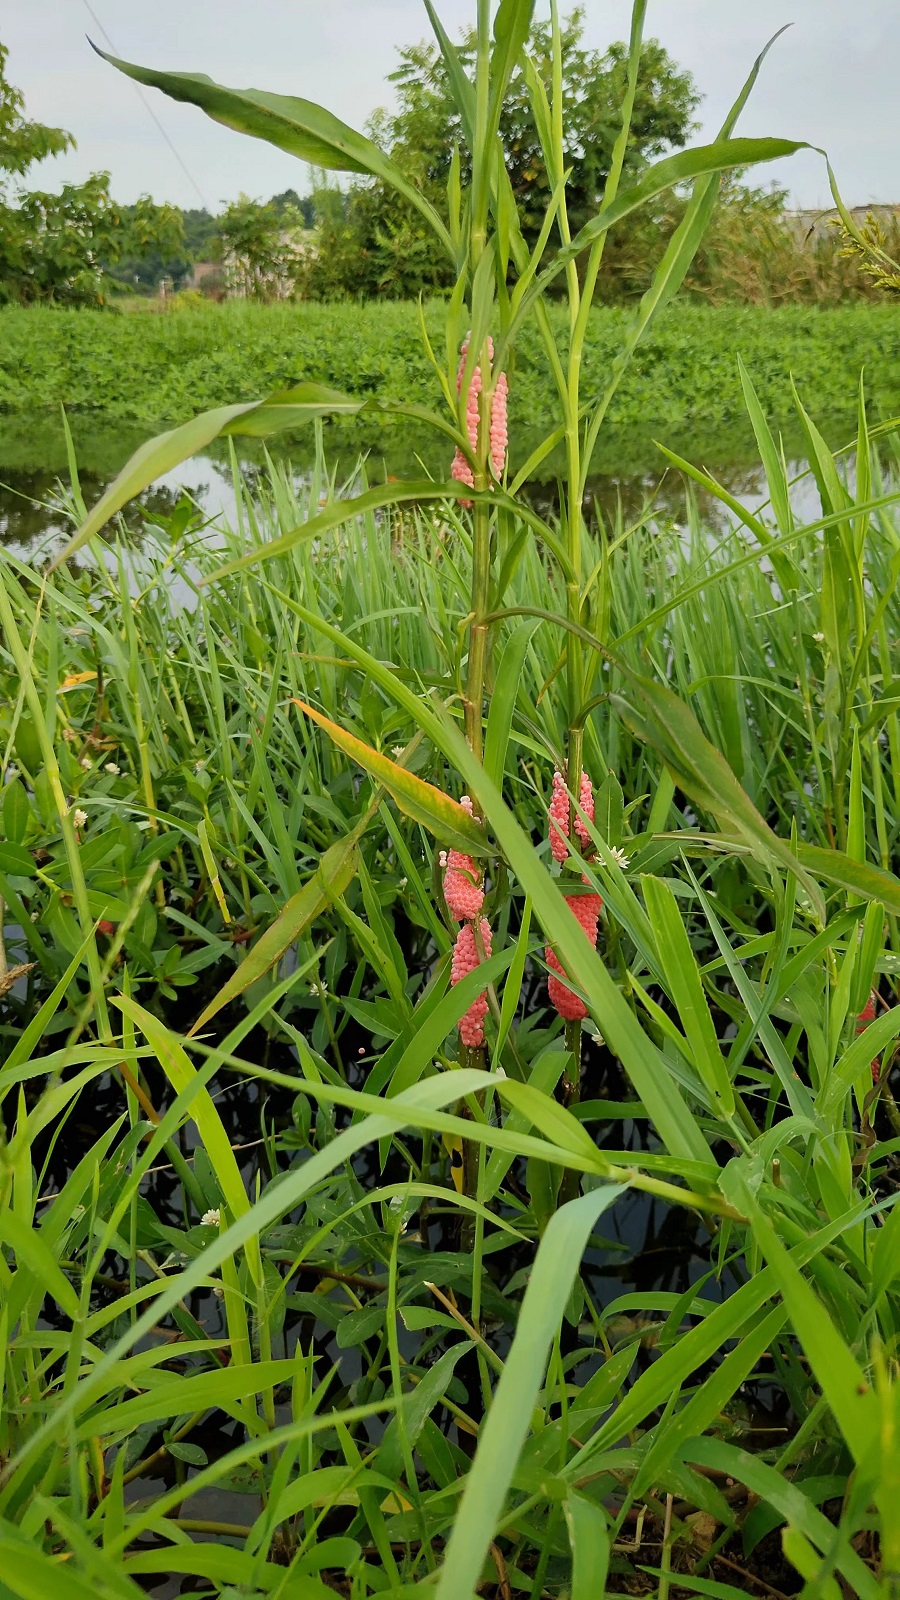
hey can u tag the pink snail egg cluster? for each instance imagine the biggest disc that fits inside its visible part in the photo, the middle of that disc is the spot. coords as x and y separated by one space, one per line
462 887
586 910
558 815
465 960
461 470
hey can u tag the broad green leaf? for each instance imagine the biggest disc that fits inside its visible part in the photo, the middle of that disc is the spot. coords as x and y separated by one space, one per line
298 127
444 817
333 875
168 450
505 1429
173 1394
16 811
724 155
547 1115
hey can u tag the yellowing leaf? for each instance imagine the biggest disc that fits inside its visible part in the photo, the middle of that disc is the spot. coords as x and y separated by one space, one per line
445 818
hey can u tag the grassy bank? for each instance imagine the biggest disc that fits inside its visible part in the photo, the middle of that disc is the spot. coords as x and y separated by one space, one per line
171 366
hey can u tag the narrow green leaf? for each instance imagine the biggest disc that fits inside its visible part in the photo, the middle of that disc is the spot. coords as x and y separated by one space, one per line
503 700
503 1434
836 1369
37 1262
787 1497
685 987
590 1542
857 877
333 875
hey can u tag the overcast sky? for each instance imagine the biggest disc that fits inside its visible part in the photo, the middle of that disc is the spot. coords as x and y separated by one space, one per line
832 79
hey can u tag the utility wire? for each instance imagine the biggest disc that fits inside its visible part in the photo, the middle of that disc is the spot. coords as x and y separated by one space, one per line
151 113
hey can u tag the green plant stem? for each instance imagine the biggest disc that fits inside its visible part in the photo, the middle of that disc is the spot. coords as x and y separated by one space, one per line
478 628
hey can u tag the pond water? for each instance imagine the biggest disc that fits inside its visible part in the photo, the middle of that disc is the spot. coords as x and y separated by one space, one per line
628 469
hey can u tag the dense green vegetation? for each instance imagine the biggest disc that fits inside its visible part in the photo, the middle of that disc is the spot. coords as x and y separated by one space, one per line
167 367
166 802
451 936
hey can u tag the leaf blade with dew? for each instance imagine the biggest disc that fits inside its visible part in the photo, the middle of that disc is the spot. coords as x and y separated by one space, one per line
299 127
503 1434
422 801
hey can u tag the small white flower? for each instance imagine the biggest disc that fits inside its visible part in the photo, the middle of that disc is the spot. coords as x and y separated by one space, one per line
86 763
819 638
212 1219
397 749
199 765
111 767
318 989
620 858
79 817
218 1291
402 882
69 735
499 1073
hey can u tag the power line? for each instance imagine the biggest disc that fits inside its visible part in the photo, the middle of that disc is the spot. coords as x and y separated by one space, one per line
151 113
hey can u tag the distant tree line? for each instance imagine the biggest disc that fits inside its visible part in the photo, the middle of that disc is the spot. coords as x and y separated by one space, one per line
364 241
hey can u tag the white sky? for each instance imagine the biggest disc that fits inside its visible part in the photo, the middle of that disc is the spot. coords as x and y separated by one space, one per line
832 79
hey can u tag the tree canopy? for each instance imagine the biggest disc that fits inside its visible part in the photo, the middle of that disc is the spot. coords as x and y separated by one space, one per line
380 246
60 246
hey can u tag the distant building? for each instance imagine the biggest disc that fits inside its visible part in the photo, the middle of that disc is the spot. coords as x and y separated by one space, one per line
207 273
809 224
